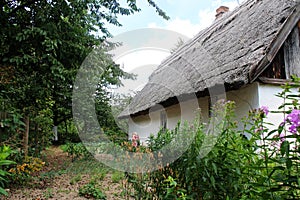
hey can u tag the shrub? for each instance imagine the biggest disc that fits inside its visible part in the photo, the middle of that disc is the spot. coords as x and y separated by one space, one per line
5 152
91 191
76 150
173 190
23 171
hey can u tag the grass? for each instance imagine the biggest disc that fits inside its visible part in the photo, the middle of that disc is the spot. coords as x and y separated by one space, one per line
117 176
75 179
48 193
92 167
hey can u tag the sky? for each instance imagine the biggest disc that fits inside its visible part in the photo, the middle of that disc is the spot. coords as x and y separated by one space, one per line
187 17
143 50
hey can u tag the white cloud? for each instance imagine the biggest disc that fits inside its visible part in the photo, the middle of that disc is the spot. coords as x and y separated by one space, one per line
206 18
182 26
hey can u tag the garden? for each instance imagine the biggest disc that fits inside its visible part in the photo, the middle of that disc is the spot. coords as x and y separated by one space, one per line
43 45
265 166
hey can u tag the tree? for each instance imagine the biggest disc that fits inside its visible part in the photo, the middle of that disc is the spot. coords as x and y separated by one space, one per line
44 43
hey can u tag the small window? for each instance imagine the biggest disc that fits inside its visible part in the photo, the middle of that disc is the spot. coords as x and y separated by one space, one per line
163 120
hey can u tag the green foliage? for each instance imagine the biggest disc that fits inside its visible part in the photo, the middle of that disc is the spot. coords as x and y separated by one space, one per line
90 190
11 124
22 172
5 152
67 132
13 127
173 191
115 135
263 166
48 193
76 150
117 176
75 179
278 163
43 44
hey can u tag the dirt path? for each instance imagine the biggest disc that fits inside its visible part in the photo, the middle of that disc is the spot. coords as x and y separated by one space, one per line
61 180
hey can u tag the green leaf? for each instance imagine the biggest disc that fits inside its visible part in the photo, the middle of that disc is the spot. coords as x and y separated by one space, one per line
289 163
212 181
3 192
6 162
285 148
215 168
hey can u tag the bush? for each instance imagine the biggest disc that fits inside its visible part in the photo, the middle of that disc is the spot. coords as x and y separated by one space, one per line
76 150
91 191
5 152
23 171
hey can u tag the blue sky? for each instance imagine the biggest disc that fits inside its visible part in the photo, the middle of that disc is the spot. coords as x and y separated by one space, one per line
187 16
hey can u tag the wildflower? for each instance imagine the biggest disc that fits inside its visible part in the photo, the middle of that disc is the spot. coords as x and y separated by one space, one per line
293 129
264 109
282 137
294 119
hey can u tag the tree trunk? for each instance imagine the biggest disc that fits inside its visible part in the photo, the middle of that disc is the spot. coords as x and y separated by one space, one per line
36 139
26 135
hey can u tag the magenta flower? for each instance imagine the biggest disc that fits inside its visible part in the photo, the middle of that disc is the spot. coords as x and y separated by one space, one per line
264 109
282 124
294 119
282 137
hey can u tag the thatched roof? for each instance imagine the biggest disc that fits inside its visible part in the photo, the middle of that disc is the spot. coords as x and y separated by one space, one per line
233 51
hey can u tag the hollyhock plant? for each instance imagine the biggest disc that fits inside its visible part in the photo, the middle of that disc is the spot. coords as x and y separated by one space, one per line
135 139
135 136
294 120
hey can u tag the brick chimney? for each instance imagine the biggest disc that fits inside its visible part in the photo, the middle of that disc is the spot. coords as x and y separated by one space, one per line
220 11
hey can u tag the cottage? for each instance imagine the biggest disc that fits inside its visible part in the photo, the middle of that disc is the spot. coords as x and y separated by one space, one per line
244 56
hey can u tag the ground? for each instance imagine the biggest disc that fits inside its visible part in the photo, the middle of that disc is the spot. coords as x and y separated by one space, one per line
61 179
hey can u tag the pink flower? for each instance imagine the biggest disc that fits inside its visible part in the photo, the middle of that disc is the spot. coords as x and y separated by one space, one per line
134 143
135 137
264 109
258 130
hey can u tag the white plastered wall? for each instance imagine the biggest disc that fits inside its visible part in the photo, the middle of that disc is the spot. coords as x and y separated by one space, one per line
245 98
267 97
